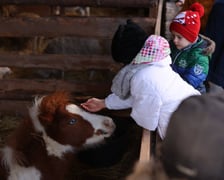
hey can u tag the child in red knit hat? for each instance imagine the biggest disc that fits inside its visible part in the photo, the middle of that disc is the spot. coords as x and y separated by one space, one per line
189 58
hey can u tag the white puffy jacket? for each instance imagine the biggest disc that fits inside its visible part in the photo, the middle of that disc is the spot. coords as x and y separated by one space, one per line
156 92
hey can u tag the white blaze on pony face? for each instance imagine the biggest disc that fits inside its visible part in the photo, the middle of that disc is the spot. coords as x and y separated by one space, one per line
103 125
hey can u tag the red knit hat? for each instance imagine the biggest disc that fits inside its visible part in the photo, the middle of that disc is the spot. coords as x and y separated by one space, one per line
187 23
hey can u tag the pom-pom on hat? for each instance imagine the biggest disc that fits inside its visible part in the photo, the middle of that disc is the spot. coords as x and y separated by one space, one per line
188 23
127 42
156 48
193 147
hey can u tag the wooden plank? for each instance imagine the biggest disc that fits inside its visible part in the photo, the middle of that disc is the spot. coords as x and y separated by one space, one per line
17 103
159 18
153 9
99 89
60 62
67 26
145 149
20 107
93 3
32 10
14 107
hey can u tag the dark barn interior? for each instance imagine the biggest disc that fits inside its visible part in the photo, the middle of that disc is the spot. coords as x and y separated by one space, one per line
65 45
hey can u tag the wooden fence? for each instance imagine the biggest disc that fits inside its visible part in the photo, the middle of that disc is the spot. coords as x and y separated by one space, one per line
16 93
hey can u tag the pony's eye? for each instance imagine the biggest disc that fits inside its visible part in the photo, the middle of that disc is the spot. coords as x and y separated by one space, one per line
72 121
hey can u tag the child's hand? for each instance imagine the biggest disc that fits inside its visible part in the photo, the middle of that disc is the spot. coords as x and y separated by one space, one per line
94 104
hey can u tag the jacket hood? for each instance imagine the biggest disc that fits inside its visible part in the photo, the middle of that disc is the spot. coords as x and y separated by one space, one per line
209 45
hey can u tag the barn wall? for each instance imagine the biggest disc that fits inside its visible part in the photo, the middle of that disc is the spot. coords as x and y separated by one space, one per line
50 46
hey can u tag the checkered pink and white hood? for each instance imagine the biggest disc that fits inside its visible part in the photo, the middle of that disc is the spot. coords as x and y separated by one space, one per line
156 48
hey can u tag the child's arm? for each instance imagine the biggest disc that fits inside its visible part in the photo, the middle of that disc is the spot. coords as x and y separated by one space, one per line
114 102
196 73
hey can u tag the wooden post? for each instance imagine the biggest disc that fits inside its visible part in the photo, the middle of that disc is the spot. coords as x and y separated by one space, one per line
145 151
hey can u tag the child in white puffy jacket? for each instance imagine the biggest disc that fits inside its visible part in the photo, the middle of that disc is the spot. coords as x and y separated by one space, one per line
146 83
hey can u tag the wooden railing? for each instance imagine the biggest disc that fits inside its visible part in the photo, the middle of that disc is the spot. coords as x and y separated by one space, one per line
16 93
146 144
92 3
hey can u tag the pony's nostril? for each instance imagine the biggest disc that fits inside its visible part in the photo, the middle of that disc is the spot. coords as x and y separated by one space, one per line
106 123
101 132
109 124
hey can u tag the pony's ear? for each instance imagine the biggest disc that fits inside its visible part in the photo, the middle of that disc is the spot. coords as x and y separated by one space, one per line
47 110
50 105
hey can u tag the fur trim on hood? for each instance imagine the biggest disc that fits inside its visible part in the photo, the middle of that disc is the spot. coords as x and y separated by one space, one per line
211 45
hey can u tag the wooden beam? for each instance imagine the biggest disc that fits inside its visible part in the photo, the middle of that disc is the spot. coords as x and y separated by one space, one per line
99 89
20 107
153 9
14 107
93 3
60 62
159 18
145 149
67 26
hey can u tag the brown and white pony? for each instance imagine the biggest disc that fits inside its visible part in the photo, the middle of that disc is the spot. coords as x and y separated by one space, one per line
43 145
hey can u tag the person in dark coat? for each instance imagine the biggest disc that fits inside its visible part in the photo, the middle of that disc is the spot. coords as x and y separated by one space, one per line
214 30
